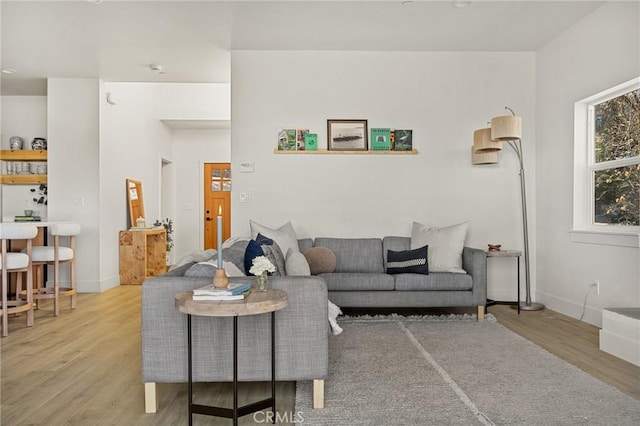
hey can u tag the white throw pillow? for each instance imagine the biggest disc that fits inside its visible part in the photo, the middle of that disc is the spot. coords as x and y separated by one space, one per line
445 245
296 264
285 236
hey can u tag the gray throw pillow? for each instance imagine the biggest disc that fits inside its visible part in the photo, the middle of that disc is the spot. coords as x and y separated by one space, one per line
275 256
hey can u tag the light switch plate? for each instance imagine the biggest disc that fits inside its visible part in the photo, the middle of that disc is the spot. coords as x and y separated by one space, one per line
246 167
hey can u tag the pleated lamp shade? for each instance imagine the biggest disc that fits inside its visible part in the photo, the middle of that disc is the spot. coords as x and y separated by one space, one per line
483 157
482 141
506 128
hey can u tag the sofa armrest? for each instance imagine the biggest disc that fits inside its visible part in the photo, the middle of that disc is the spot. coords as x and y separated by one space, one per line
474 261
301 334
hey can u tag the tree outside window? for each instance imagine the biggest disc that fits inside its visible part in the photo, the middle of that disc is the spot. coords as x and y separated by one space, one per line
615 166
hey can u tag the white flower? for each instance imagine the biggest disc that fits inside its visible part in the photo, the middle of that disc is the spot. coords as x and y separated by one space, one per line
260 265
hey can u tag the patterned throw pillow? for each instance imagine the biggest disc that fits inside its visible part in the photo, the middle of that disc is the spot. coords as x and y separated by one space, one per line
275 256
408 262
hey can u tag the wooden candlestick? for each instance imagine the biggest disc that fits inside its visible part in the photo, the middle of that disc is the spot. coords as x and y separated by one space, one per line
220 279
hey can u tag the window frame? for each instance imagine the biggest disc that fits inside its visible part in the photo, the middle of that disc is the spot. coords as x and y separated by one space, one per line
585 229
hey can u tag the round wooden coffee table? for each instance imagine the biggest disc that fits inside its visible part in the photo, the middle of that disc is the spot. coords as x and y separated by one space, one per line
258 302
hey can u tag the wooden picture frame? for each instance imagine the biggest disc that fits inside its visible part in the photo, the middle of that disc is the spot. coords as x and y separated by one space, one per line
347 135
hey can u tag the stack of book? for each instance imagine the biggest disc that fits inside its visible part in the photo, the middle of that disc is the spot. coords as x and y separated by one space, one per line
235 291
27 219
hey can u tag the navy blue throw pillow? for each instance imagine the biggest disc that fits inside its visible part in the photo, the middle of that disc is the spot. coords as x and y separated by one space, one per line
253 250
408 262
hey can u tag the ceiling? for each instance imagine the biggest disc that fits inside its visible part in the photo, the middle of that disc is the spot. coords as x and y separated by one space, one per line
192 40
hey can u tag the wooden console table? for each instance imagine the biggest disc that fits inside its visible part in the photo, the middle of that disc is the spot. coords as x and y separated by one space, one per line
143 253
258 302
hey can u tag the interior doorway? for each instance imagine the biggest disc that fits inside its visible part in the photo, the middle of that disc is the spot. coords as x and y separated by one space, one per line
217 201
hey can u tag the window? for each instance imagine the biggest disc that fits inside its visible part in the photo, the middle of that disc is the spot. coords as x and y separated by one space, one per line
614 142
607 161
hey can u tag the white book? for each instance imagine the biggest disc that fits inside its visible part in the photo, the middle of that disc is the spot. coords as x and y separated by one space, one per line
232 290
209 297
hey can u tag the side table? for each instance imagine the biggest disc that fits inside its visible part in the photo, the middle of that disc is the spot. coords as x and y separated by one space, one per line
258 302
507 253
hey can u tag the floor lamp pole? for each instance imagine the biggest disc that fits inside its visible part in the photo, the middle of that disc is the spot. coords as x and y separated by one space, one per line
527 305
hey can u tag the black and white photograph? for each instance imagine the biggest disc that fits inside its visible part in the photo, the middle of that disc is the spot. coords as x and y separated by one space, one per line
347 135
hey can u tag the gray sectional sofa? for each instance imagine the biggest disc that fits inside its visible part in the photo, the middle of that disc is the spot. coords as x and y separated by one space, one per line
359 280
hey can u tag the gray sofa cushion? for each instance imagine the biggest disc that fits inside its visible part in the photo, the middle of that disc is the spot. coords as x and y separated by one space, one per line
304 244
352 281
355 254
433 281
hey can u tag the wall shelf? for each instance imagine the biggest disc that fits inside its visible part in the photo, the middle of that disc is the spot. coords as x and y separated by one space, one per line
23 155
23 179
327 152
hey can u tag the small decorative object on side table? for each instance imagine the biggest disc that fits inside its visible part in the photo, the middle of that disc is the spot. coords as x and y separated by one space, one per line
259 267
220 279
256 303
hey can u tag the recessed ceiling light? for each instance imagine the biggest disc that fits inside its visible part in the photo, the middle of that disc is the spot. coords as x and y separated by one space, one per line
461 3
155 67
8 71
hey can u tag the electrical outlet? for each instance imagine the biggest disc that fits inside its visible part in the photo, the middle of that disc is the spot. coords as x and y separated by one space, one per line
596 286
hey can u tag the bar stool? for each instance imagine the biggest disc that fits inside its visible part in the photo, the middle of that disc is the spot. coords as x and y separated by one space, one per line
19 263
56 255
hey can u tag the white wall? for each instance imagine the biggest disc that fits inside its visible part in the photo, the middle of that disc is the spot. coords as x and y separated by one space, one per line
74 185
599 52
443 97
192 149
24 116
134 142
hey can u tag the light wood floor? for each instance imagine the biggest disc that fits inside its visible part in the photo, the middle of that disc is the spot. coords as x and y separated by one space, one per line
83 368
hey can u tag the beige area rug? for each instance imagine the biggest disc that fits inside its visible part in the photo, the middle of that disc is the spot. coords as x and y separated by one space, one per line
398 371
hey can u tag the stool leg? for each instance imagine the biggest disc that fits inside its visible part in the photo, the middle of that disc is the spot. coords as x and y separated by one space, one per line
38 284
18 290
56 288
72 272
29 286
5 305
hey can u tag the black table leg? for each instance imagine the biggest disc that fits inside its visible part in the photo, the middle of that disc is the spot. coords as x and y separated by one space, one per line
190 386
273 365
235 371
518 260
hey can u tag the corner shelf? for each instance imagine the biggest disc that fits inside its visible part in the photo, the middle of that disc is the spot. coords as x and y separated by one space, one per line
327 152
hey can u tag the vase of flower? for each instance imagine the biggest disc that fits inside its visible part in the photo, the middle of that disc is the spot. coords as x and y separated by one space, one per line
261 282
260 267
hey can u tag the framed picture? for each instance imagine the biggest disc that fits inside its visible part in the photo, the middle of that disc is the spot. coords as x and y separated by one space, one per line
347 135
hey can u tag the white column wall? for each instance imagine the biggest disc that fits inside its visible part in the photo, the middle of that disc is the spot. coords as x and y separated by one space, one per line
599 52
74 169
443 97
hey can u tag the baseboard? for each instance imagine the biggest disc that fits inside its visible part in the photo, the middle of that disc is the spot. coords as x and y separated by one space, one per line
570 308
620 335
